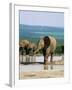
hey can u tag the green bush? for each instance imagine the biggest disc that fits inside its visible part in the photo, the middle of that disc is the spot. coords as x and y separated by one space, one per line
59 49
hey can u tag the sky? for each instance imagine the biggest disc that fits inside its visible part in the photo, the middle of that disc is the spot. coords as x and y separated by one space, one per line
53 19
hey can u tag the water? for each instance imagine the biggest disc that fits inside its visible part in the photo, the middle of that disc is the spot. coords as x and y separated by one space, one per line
40 58
40 67
33 33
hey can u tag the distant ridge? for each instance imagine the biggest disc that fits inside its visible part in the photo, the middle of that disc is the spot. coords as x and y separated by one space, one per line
39 26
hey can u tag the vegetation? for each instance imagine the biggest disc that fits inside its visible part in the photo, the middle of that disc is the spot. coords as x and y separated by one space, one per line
59 49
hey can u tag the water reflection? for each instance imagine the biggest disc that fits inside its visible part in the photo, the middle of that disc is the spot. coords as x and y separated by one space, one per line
50 67
45 67
39 67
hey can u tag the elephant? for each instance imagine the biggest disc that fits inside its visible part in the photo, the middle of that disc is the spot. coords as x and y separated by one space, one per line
48 46
26 46
23 44
32 48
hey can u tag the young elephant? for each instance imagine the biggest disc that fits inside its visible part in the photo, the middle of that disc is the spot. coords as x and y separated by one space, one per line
27 49
48 46
23 44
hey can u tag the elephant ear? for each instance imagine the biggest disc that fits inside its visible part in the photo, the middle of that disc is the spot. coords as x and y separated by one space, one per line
46 41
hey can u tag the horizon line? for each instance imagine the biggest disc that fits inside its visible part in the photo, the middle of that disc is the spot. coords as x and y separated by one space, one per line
41 25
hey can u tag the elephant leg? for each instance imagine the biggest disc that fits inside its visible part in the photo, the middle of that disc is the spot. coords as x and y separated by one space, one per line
51 57
45 60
